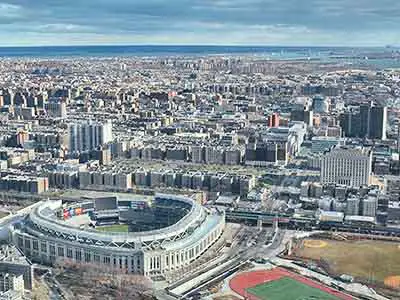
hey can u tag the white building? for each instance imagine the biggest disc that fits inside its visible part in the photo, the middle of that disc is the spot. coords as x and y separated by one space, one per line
88 135
369 206
56 109
347 166
353 206
11 282
392 187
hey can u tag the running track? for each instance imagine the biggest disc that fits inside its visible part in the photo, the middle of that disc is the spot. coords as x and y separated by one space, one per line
245 280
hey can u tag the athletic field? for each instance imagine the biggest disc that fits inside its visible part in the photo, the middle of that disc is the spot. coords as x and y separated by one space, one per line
280 284
114 228
365 259
288 288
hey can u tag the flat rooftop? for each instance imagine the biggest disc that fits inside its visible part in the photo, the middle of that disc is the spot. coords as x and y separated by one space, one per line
10 254
79 194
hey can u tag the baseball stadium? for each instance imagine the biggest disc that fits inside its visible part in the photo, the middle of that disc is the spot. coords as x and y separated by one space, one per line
151 235
281 284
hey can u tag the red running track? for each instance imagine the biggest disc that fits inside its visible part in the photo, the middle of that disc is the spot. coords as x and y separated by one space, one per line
240 283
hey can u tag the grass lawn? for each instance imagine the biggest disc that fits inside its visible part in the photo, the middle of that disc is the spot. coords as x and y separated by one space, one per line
287 288
374 260
114 228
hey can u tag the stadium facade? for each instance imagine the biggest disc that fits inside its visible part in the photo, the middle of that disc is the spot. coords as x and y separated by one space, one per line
54 231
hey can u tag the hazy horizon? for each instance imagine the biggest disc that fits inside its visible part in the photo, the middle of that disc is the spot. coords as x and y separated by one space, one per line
203 45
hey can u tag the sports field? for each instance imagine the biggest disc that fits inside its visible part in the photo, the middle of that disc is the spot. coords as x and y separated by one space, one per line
281 284
366 259
114 228
3 214
288 288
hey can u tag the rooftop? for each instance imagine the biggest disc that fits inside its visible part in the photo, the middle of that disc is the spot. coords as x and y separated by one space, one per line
11 254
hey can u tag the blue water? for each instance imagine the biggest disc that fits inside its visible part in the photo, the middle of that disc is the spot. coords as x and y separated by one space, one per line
147 50
325 54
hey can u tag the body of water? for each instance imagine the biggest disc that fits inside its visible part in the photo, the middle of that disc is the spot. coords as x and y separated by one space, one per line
169 50
377 57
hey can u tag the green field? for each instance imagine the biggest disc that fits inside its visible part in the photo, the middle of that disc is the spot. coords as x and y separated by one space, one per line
288 288
114 228
365 259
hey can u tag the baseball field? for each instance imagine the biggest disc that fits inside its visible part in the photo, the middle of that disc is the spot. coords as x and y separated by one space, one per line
114 228
366 259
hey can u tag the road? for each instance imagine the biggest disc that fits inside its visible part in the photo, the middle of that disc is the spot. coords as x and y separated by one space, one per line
250 243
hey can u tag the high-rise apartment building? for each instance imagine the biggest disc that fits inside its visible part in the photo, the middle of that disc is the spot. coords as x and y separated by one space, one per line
364 120
8 97
369 206
56 109
350 167
197 154
353 206
88 135
273 120
369 122
305 115
350 123
11 282
377 123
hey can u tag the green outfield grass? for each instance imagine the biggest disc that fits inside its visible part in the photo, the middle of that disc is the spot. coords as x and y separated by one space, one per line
114 228
287 288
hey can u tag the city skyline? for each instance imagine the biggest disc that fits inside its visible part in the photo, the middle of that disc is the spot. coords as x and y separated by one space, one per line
164 172
238 22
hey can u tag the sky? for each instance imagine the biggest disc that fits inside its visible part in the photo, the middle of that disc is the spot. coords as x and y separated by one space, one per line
217 22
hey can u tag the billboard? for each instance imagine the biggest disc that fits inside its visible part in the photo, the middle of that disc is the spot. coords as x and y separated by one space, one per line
72 212
78 211
105 203
66 214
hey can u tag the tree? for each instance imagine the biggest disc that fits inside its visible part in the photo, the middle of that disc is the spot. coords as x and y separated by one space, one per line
100 280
